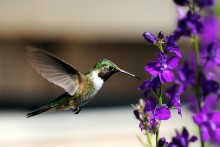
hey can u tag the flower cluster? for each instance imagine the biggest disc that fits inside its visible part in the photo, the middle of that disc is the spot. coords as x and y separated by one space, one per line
163 67
191 23
162 70
188 24
151 110
150 114
201 70
198 76
180 140
208 120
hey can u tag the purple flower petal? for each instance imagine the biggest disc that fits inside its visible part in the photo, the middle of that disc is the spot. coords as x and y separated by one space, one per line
185 133
205 134
162 142
162 80
172 62
147 92
141 125
150 104
162 113
208 35
217 59
217 136
152 68
216 117
156 83
145 85
210 102
167 75
169 92
185 76
193 139
173 93
181 13
198 119
208 86
176 51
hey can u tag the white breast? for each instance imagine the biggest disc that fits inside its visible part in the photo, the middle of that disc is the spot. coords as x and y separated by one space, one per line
98 82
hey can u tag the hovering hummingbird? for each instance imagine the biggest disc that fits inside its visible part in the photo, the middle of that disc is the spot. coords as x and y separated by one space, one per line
79 88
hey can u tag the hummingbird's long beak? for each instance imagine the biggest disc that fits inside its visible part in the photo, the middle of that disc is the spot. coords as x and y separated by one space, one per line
125 72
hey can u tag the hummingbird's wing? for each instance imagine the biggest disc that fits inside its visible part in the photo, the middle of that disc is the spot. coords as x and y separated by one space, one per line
55 70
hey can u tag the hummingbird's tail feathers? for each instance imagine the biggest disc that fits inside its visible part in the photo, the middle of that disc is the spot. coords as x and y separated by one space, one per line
39 111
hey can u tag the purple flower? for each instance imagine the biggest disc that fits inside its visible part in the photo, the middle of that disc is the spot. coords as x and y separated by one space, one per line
212 53
149 85
209 35
171 45
145 85
182 140
192 103
181 2
209 121
208 86
205 3
149 114
173 94
150 37
162 142
185 76
189 25
162 67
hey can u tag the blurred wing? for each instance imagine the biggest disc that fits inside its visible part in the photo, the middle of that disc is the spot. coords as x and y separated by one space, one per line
55 70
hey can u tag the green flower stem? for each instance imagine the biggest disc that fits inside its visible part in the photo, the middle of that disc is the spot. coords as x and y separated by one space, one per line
157 138
195 41
160 95
155 94
160 46
200 135
198 74
147 134
149 139
160 102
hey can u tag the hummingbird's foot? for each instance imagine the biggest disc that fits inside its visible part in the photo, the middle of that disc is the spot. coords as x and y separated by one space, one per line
76 110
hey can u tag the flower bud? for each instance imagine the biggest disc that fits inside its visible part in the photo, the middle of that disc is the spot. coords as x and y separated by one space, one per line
160 35
181 2
150 37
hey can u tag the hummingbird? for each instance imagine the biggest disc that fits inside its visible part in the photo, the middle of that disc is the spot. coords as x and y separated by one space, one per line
79 88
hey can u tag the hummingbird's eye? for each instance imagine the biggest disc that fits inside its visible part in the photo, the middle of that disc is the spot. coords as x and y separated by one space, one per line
111 68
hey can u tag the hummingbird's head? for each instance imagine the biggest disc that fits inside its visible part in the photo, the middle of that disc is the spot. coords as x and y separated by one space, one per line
107 68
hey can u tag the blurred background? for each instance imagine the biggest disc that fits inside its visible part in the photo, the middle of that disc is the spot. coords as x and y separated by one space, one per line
81 33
